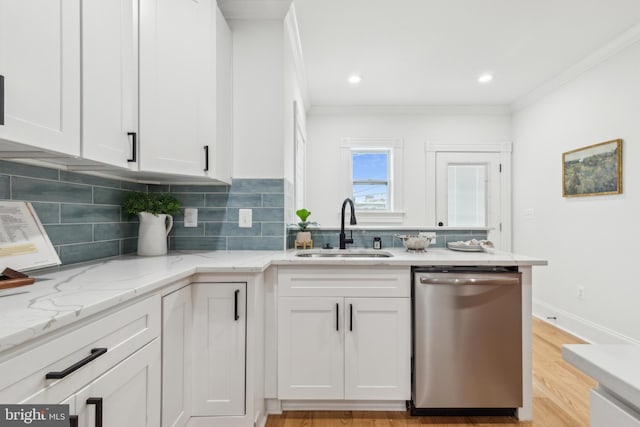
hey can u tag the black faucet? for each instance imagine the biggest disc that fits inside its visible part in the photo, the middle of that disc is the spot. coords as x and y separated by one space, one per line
343 239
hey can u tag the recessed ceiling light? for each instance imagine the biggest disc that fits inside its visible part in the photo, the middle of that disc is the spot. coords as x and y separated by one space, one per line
354 79
485 78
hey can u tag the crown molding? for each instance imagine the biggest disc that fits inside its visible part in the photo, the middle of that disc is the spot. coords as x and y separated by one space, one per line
328 110
254 9
623 41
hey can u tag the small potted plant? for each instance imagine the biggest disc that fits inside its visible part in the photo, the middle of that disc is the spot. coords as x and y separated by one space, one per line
155 211
303 235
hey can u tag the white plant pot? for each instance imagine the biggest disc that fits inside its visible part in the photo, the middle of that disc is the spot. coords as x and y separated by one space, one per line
152 233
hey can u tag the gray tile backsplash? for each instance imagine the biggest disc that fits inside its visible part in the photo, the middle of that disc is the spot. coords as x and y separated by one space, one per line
84 220
81 213
218 211
364 238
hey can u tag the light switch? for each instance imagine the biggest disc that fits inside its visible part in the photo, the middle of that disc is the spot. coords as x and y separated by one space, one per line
245 218
191 217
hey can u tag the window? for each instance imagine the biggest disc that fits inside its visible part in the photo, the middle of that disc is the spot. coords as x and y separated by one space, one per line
467 195
370 173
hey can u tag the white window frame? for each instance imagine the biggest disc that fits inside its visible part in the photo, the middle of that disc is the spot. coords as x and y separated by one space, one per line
395 148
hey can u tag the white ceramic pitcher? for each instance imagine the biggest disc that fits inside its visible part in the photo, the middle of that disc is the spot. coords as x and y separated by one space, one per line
153 232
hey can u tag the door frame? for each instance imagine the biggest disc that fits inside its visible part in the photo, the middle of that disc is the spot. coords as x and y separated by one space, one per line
504 149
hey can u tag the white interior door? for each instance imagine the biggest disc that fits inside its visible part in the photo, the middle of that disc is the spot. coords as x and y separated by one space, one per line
469 192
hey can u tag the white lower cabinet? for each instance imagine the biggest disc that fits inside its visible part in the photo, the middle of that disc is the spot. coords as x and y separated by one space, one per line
607 411
203 354
310 348
127 395
346 345
219 325
111 363
377 348
176 356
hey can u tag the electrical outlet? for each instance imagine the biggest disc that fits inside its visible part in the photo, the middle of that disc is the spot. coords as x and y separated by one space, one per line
245 218
580 292
191 217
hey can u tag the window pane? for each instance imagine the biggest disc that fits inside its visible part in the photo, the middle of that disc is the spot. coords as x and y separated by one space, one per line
467 195
370 180
370 166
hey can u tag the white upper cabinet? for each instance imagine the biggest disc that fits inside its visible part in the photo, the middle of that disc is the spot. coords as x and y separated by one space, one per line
110 81
177 99
222 158
40 62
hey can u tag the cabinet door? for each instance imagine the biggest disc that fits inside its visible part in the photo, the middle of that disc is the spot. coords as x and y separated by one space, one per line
377 348
176 98
219 322
40 62
129 393
110 80
221 159
176 357
310 348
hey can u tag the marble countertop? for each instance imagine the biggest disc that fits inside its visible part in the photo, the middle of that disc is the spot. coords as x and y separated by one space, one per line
615 366
435 256
64 295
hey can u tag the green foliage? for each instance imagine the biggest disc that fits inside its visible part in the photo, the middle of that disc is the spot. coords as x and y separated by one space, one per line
303 214
155 203
592 175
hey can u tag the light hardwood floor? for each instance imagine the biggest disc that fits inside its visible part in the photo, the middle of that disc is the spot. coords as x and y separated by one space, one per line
560 397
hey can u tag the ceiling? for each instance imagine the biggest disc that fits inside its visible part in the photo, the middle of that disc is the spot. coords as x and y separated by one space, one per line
431 52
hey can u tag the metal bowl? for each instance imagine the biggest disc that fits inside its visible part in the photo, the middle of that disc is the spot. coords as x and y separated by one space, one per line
414 242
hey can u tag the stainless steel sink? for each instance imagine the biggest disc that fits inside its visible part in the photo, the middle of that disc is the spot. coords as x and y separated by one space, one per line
344 253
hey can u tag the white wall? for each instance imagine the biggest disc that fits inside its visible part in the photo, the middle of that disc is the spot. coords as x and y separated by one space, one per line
591 241
258 90
325 191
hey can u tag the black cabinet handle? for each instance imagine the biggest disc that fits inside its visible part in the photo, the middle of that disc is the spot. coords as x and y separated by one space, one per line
98 402
236 316
95 353
134 148
73 421
1 100
350 317
337 317
206 158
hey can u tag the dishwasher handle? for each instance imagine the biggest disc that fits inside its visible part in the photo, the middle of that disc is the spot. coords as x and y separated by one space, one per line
459 281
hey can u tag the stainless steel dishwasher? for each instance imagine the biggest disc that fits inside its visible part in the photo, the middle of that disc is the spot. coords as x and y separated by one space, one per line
467 340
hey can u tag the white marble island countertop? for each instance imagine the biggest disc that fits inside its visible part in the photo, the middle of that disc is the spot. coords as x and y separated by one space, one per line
615 366
62 296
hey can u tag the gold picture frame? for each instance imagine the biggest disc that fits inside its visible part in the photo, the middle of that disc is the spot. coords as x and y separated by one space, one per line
595 170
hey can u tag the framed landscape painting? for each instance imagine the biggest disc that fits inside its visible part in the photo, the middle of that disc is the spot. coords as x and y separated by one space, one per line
593 171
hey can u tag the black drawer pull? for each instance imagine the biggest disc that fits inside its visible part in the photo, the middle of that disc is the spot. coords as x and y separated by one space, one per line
73 421
95 353
337 317
134 148
236 316
206 158
98 402
350 317
1 100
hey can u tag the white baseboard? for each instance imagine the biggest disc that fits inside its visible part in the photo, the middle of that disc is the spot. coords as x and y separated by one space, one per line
344 405
578 326
274 406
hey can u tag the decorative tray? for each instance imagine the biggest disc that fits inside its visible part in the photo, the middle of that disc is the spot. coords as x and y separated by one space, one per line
468 246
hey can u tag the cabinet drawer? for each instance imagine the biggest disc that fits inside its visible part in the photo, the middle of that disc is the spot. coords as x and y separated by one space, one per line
607 412
344 282
121 332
